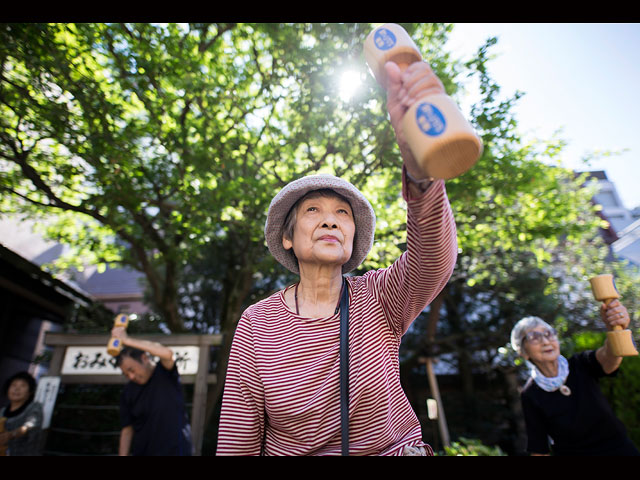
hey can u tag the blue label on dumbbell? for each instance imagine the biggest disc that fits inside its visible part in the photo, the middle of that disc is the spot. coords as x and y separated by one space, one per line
430 120
384 39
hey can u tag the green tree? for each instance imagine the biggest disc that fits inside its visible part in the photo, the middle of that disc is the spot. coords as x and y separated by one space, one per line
149 145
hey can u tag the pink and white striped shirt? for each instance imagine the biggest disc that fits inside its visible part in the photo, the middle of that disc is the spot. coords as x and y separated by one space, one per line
282 395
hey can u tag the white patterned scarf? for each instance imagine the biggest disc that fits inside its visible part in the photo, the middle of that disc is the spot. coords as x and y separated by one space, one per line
550 384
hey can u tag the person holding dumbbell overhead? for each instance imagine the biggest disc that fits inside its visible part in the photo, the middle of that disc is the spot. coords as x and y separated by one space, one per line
152 407
313 369
564 409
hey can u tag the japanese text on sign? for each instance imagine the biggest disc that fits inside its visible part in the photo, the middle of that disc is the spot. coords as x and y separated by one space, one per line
96 361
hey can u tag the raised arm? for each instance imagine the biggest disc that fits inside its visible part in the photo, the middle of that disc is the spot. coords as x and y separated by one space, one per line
403 90
415 279
165 354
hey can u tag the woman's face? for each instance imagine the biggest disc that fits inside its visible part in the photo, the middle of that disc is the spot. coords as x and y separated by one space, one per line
18 391
323 233
541 345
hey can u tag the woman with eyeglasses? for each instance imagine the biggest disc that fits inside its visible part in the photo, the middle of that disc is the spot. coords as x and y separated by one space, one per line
564 410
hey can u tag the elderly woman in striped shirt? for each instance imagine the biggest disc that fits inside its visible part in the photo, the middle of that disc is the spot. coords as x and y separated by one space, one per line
283 386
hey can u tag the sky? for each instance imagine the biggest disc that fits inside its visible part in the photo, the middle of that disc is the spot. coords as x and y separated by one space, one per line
582 78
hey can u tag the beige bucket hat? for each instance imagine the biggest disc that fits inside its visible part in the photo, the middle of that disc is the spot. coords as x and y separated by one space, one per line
365 219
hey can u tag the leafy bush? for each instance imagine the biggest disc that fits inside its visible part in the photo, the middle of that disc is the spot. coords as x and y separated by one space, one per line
468 447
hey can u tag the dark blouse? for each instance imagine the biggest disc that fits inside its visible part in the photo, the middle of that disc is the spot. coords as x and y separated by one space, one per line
31 415
582 423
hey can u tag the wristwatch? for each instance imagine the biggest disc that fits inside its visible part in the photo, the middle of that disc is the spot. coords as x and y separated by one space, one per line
422 184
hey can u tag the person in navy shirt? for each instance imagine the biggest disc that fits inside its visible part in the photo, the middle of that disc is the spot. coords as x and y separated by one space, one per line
152 408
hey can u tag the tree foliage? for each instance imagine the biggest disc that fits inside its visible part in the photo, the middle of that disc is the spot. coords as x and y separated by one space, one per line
149 143
155 145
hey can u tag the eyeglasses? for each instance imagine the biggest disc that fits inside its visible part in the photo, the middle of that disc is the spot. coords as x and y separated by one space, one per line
536 337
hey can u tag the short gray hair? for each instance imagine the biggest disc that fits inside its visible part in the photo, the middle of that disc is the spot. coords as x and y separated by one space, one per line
521 328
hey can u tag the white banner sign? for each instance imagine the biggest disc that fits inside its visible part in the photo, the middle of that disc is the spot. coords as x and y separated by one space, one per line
96 361
46 394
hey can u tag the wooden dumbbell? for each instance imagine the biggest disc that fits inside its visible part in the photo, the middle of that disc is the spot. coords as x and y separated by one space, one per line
115 346
442 141
620 341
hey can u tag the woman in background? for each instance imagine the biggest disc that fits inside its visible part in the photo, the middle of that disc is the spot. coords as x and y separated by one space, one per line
565 412
23 424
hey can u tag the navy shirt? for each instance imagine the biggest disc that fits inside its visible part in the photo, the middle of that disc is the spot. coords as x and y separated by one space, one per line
582 423
156 411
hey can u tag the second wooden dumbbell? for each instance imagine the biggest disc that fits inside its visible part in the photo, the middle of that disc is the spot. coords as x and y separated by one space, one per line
620 341
115 345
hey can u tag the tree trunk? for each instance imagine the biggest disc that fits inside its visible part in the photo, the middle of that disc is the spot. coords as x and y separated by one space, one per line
455 317
237 285
432 323
515 407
